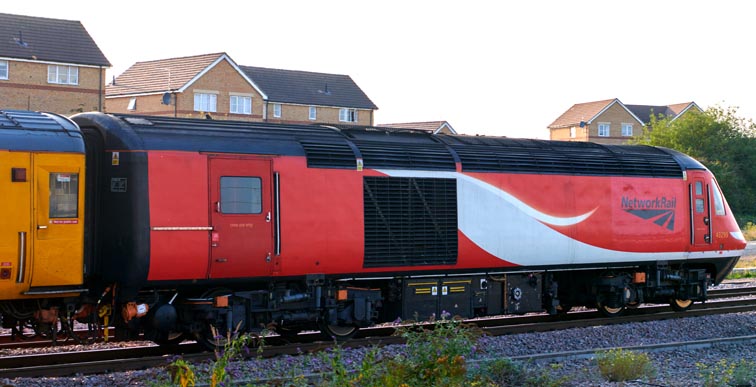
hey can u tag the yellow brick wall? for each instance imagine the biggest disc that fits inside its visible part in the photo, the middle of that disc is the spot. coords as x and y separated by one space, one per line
223 80
27 88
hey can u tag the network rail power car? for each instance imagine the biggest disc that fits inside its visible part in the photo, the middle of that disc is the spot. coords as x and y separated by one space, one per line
197 228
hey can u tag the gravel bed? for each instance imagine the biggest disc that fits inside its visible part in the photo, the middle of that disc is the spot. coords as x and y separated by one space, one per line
674 367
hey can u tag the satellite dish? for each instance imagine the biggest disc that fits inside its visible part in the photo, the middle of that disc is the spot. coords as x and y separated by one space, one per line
166 98
582 123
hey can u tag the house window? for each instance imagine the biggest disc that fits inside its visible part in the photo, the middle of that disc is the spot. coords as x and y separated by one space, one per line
627 130
313 113
241 104
132 104
603 129
63 75
277 110
3 69
572 132
205 102
347 115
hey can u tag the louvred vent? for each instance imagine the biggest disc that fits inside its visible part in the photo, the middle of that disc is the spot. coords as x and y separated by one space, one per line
410 221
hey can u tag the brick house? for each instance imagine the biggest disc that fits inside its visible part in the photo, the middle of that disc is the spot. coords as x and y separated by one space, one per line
214 86
433 127
610 121
49 65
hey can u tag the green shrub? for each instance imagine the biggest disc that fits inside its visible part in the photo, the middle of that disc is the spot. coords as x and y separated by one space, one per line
506 372
728 373
617 365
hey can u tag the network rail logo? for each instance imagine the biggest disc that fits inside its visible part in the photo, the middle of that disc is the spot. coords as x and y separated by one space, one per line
660 210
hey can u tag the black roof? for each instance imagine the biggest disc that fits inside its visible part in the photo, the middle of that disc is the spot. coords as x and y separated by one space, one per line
37 132
643 112
44 39
327 146
308 88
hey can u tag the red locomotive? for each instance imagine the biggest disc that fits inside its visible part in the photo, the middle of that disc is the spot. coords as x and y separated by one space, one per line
195 226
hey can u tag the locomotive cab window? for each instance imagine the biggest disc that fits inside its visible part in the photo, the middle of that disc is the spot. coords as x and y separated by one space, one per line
64 195
719 208
240 195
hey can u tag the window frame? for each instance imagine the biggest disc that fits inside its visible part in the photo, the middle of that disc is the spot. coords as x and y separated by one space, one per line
212 99
6 65
604 126
277 110
255 190
348 115
56 76
63 181
234 105
313 113
627 133
132 104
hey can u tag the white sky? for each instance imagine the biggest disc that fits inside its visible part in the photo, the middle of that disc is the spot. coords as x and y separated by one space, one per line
487 67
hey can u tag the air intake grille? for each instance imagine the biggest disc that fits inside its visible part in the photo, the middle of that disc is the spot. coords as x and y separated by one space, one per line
405 155
568 158
410 221
329 154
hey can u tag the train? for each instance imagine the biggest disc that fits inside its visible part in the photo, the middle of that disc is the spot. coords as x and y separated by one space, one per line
171 228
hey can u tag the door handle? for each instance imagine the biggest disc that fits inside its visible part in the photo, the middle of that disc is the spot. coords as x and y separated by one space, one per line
40 227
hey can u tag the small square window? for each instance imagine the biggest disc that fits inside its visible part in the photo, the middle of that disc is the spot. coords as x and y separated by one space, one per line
132 104
627 130
240 195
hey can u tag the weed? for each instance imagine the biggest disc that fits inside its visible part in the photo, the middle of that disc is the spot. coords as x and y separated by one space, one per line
728 373
617 365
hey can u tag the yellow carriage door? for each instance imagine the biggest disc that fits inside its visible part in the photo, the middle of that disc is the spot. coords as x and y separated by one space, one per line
15 228
58 226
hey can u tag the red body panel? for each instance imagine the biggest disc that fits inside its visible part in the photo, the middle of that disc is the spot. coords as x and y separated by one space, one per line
178 201
322 225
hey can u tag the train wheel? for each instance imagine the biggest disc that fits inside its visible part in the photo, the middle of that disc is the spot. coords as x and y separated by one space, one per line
609 311
168 339
632 305
563 308
336 332
680 305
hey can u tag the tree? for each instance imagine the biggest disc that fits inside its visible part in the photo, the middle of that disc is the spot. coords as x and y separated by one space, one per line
723 142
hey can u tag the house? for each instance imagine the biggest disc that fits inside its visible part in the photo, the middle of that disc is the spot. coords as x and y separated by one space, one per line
304 97
433 127
610 121
214 86
200 86
50 65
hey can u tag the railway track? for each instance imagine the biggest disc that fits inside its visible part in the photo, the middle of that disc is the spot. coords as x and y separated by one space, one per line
94 361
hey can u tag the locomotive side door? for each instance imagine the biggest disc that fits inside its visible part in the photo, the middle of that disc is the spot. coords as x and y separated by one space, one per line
15 228
240 214
700 212
58 225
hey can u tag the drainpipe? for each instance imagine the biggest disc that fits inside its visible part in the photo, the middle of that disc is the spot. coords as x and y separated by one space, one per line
99 94
265 110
